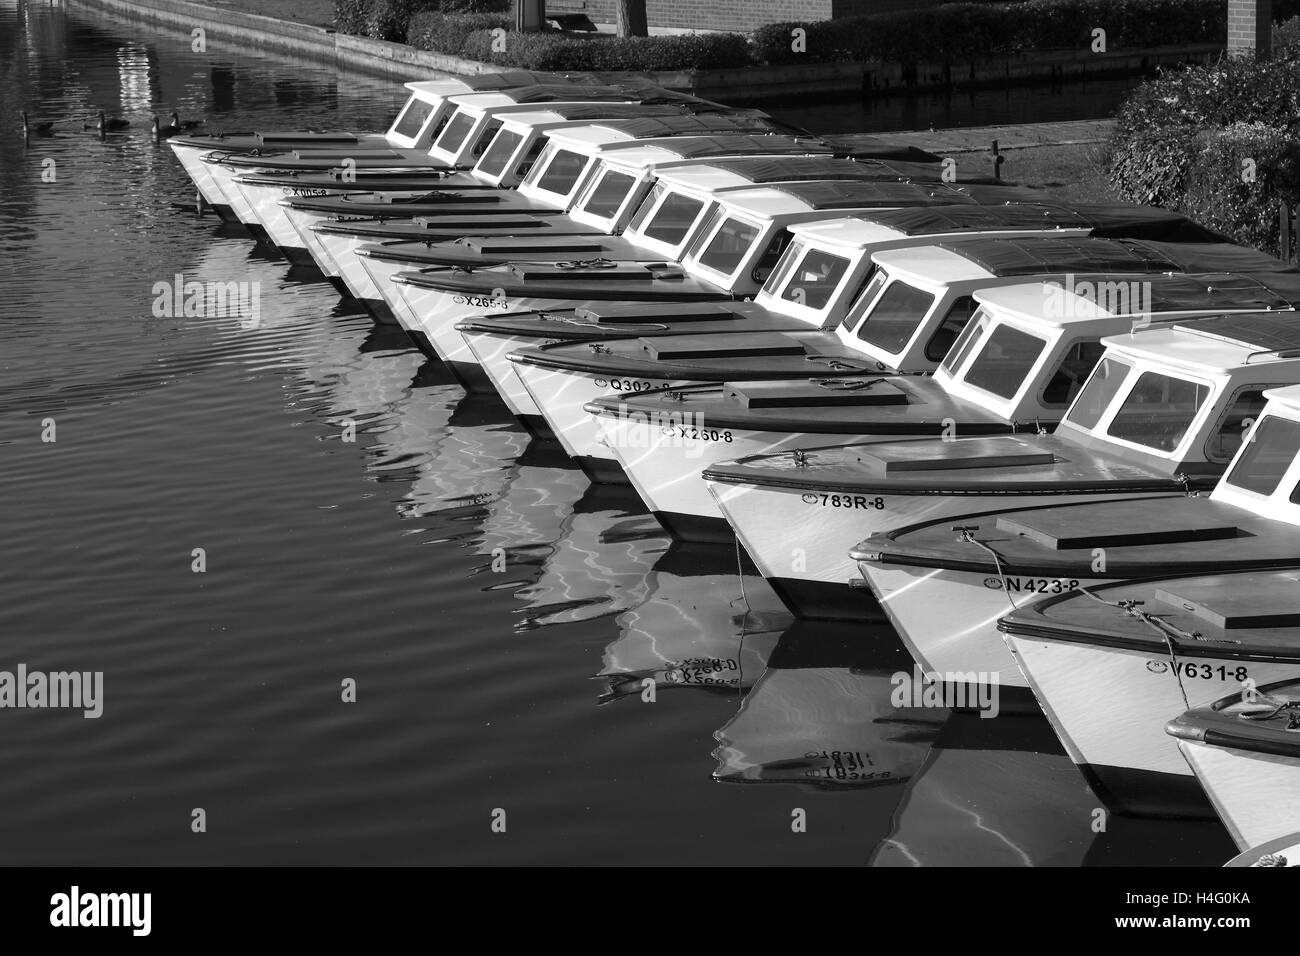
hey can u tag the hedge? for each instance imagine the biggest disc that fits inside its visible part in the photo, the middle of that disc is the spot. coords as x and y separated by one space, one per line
580 52
392 19
966 30
1155 143
1240 174
441 33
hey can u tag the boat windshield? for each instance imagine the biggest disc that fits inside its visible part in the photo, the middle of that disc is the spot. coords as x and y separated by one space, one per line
456 132
818 275
1272 448
411 120
895 317
728 246
1072 371
1101 388
499 152
607 192
1003 364
1158 410
783 268
878 277
561 172
525 165
673 219
975 329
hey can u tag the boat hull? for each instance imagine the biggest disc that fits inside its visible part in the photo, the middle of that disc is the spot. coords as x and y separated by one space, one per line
1109 706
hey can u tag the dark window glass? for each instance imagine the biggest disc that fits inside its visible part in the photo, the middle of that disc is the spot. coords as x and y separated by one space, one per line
953 324
1242 413
562 172
895 317
817 276
453 137
608 196
1269 453
871 288
1098 393
1076 365
728 246
412 118
498 154
673 219
1158 411
1004 362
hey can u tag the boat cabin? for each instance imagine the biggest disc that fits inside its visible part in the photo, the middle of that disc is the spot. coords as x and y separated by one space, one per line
919 300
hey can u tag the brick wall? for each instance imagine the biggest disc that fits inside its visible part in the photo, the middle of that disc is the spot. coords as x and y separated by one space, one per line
738 15
1249 26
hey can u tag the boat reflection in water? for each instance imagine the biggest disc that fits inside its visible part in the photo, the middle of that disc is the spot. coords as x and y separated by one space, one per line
705 624
1004 793
822 714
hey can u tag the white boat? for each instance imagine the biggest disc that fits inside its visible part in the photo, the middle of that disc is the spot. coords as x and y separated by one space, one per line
945 591
475 122
750 409
418 121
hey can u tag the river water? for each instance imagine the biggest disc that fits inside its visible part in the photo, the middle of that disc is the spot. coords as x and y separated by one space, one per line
202 533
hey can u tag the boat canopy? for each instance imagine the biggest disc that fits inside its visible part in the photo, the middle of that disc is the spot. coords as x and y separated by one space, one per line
1021 256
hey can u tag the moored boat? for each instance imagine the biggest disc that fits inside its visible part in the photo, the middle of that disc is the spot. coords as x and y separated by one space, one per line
915 304
1215 377
662 440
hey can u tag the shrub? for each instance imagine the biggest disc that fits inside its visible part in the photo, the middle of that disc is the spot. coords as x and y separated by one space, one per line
567 52
966 30
446 33
391 19
1154 147
1286 38
1244 208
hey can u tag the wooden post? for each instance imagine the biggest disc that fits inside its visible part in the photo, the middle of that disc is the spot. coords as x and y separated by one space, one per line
631 20
997 163
1284 230
530 15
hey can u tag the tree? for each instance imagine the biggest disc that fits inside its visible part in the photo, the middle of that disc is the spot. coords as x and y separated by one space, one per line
632 18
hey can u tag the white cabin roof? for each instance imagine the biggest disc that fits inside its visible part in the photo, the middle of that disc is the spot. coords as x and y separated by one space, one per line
1196 346
849 231
930 265
429 89
1288 396
587 138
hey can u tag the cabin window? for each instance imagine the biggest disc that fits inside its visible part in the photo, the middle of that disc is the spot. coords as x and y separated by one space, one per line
562 172
895 317
1243 411
1099 391
647 206
454 135
958 317
607 196
728 246
411 120
526 164
1268 455
873 282
1076 365
975 328
1158 411
485 140
770 257
673 220
793 253
816 279
498 154
1004 362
